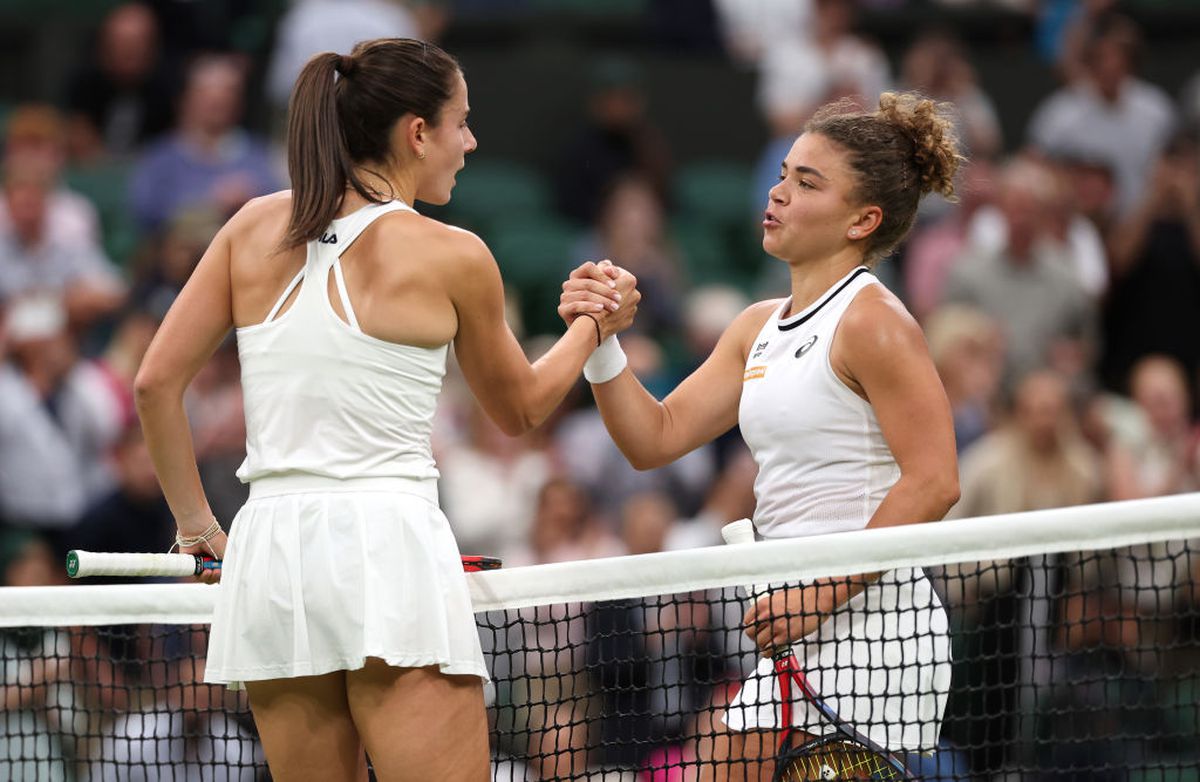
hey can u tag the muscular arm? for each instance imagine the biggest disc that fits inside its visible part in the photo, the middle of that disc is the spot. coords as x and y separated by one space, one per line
516 395
652 433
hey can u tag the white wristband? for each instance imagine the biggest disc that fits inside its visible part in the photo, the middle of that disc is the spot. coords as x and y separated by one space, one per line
606 362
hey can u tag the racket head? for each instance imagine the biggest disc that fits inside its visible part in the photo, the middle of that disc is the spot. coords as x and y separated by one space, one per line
473 563
835 757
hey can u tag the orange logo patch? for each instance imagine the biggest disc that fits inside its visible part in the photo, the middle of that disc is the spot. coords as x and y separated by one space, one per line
753 373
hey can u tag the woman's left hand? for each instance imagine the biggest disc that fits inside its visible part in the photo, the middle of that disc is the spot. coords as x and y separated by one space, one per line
783 617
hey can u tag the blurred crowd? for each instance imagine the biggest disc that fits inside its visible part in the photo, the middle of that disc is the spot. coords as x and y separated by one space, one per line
1059 294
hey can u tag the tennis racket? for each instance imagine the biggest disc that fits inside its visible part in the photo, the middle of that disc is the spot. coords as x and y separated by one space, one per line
81 564
845 754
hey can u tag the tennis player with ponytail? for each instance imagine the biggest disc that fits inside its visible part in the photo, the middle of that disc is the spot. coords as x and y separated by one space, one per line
343 608
836 395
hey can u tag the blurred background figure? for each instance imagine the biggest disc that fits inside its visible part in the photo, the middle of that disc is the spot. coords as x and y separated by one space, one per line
35 142
121 97
968 351
616 137
1027 281
1108 113
34 260
1154 305
208 158
310 27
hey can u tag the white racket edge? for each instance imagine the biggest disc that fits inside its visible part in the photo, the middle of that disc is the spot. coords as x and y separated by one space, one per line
100 563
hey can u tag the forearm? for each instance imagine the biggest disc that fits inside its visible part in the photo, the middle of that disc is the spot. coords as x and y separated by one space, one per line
169 440
636 421
554 374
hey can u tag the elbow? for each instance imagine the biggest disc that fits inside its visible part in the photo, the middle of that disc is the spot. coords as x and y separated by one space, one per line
148 387
643 461
945 493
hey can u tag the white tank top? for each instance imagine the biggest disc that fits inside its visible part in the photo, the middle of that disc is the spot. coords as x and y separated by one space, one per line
823 465
323 398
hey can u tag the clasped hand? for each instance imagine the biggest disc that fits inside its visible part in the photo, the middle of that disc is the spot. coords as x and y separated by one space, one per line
780 619
603 291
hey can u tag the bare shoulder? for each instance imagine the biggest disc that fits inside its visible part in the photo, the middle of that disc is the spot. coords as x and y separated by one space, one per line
261 219
453 250
878 321
745 327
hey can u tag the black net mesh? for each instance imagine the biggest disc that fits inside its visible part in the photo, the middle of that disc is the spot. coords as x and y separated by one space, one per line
1082 666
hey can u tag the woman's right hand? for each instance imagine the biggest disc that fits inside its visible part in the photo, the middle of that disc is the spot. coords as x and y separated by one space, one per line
214 548
603 291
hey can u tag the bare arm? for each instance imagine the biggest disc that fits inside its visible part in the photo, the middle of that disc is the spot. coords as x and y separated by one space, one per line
519 396
193 328
652 433
880 353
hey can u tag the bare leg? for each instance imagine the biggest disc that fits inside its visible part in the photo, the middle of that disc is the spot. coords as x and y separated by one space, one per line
418 724
739 756
306 728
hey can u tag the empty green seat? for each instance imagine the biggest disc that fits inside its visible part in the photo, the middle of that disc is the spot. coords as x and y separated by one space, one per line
714 190
535 255
106 186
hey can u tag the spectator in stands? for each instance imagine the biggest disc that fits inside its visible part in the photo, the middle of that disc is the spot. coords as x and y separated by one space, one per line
967 349
1109 114
121 96
1028 282
57 422
936 65
215 410
1166 459
208 160
36 261
801 72
36 140
1154 305
631 232
186 236
939 241
490 484
1038 459
617 137
313 26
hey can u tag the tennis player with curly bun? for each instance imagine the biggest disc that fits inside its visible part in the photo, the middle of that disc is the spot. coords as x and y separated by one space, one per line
836 395
343 607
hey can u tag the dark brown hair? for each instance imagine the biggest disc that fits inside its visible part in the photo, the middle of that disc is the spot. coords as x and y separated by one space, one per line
899 153
341 114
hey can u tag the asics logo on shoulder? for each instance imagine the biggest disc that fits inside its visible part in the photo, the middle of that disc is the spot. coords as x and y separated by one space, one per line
800 351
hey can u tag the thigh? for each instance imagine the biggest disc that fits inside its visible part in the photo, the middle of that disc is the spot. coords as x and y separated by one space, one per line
306 728
418 724
739 756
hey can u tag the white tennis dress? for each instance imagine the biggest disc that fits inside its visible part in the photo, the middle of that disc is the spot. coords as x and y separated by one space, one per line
341 552
882 661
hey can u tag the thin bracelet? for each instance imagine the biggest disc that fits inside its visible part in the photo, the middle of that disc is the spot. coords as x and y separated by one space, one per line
208 534
595 320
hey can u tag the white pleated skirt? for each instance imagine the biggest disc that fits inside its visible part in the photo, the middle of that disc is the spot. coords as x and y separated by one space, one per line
881 662
321 574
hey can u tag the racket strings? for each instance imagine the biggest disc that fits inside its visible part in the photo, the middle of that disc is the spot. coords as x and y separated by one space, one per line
836 761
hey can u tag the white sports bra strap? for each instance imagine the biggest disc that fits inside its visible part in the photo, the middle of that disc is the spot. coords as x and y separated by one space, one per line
341 286
286 293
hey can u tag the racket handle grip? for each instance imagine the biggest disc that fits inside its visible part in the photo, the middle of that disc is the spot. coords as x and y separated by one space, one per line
742 531
81 564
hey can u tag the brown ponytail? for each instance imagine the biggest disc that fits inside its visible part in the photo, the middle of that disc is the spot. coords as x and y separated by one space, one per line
341 114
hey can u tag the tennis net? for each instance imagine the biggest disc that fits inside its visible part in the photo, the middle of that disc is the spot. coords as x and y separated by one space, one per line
1054 645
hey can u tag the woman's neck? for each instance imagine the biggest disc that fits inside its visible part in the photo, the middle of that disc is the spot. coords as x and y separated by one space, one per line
811 280
387 182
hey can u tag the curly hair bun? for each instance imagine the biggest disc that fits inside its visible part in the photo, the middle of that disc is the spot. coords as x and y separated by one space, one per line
930 127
